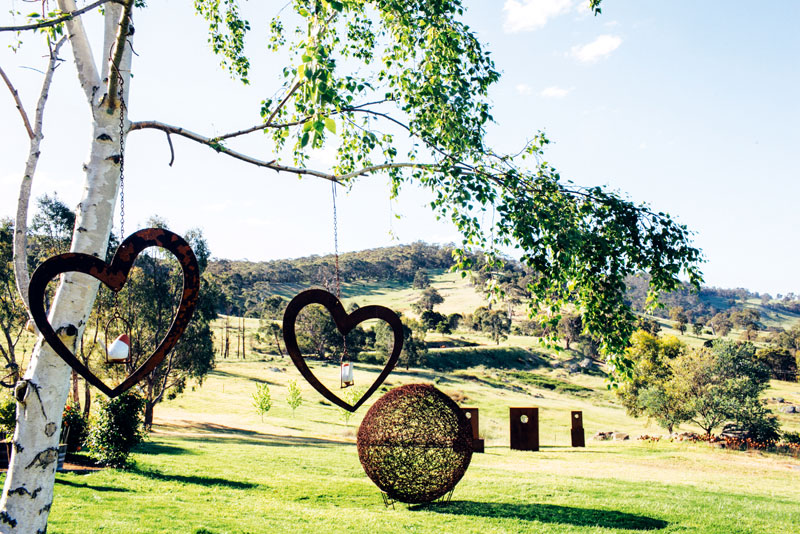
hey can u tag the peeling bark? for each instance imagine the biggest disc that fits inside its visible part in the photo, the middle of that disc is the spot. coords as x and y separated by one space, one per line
42 394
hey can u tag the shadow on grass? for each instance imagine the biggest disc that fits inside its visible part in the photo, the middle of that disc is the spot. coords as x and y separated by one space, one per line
216 433
149 447
217 372
547 513
88 486
193 479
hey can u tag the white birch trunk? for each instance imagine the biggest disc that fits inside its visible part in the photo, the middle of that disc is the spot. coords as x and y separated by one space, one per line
28 491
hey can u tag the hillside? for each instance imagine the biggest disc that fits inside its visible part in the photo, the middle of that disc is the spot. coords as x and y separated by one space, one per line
385 275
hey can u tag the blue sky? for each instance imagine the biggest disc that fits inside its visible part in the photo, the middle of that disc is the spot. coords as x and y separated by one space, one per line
690 106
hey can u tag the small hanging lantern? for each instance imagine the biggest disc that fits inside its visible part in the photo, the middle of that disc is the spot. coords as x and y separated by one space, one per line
120 350
347 375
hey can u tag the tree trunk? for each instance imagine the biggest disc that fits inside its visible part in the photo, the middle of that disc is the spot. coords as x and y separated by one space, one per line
278 343
87 399
148 414
76 399
28 490
42 393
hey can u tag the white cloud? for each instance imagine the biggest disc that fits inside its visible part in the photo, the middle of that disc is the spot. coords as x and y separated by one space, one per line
554 92
524 89
529 15
599 48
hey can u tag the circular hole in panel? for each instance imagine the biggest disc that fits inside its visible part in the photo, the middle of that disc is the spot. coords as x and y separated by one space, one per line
524 419
469 415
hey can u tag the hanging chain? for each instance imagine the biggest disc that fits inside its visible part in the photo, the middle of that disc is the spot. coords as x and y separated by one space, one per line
336 256
121 160
336 242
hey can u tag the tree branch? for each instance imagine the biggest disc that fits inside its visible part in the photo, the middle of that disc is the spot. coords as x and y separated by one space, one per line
20 255
214 143
270 124
82 51
58 20
115 60
20 107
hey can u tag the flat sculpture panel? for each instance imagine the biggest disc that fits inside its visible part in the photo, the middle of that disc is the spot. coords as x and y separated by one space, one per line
578 437
524 423
415 443
472 416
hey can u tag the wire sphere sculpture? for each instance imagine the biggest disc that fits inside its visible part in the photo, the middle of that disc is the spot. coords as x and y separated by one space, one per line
415 443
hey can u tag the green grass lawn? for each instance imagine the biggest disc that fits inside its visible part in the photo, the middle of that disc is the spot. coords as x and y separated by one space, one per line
213 466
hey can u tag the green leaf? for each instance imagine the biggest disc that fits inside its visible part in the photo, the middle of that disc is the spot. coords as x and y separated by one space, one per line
330 124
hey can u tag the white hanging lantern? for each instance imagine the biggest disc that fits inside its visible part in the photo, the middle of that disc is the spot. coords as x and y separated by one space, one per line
120 349
347 374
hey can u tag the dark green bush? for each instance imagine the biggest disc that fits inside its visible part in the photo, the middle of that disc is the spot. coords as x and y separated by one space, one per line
75 427
8 415
791 437
116 429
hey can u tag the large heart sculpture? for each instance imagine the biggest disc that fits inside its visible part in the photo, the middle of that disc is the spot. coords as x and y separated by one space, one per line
345 323
114 276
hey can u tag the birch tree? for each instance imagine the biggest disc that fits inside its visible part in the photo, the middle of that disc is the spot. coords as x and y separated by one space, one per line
398 87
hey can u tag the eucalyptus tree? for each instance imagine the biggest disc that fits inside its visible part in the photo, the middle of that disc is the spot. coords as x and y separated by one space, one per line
368 77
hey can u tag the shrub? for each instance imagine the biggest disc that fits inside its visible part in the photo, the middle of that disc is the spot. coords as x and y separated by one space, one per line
74 426
351 396
295 396
791 437
8 415
262 400
116 429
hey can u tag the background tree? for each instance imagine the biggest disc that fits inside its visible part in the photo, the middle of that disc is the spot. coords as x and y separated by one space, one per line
649 391
270 333
428 300
721 324
495 323
680 317
421 280
317 335
723 384
13 315
273 307
414 349
697 328
781 362
570 327
431 320
153 294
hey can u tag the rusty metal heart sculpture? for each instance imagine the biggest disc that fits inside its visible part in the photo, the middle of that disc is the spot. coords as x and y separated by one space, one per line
114 275
345 323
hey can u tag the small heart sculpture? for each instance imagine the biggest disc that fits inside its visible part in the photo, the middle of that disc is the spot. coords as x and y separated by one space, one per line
114 276
345 323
